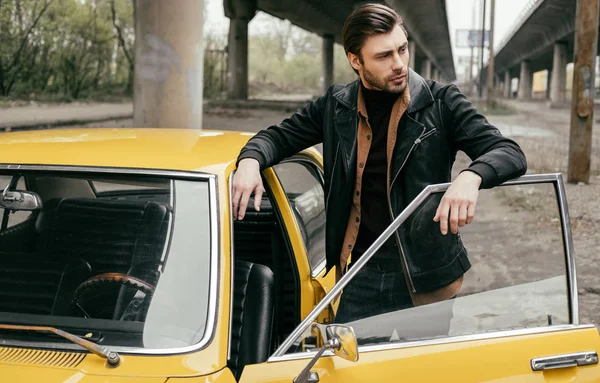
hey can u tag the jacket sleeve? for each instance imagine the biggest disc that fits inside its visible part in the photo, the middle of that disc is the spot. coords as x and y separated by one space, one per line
298 132
495 158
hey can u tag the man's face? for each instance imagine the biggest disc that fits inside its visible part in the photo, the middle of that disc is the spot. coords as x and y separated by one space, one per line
383 61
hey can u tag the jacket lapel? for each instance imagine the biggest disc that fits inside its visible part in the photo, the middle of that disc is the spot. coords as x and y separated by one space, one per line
346 123
410 129
420 93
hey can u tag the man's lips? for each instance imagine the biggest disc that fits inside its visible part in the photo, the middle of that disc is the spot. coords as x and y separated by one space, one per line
398 78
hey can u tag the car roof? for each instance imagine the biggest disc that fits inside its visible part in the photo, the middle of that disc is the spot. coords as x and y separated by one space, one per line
175 149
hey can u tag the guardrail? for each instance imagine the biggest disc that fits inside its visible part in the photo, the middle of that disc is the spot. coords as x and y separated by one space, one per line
526 12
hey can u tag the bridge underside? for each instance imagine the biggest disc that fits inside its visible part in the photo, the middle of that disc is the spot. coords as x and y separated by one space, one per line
551 22
427 24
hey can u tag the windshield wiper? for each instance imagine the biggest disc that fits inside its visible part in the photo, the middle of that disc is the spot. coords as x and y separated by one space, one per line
112 358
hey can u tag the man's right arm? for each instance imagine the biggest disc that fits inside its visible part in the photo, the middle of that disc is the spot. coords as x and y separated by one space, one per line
298 132
270 146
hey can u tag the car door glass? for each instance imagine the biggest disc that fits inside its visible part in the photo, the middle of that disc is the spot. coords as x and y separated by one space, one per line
517 278
301 181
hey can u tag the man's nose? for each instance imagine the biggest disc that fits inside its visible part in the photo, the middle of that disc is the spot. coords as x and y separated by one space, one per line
398 63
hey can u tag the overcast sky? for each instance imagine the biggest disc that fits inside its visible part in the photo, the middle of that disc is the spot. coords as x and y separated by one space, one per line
462 14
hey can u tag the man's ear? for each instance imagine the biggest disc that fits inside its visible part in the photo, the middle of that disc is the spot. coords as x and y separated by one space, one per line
354 61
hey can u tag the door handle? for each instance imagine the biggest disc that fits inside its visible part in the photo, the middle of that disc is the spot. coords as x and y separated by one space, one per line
564 361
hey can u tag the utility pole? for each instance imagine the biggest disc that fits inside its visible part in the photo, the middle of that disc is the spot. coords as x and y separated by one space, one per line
482 49
490 74
584 90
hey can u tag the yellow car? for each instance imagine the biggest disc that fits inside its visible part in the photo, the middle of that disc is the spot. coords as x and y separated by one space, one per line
121 263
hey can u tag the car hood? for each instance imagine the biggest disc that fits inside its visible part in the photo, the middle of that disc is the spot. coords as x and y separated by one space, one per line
24 373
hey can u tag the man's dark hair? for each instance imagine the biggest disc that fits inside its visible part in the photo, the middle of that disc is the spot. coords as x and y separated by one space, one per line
368 20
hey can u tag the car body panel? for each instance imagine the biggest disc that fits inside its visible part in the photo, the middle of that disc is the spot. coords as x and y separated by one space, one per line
176 149
505 359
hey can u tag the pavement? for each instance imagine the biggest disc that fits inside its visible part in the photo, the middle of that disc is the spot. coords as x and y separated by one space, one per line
48 115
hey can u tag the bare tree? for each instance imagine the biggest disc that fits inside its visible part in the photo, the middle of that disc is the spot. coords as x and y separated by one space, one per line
10 72
127 51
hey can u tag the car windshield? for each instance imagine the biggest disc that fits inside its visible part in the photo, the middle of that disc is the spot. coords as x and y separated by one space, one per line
122 260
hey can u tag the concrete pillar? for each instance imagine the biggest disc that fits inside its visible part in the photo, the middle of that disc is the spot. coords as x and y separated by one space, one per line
426 69
507 84
497 85
548 83
559 73
435 75
412 51
525 81
327 76
239 12
168 64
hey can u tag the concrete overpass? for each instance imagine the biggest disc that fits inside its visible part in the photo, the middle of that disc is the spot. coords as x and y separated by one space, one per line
427 25
168 49
542 39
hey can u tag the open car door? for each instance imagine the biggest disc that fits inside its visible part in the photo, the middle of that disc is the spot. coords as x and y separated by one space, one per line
516 318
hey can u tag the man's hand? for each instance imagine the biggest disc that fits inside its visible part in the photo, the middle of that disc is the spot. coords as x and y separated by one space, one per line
246 181
460 200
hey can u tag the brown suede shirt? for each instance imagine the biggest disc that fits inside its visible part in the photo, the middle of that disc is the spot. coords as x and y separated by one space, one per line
364 144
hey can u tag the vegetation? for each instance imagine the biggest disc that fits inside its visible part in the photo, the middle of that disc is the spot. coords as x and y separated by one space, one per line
63 50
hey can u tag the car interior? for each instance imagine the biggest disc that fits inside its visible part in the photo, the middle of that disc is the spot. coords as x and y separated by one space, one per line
78 233
265 283
89 227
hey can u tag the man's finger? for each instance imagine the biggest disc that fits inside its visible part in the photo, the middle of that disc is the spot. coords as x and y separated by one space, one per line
462 215
235 201
454 218
437 214
258 197
244 204
444 217
471 213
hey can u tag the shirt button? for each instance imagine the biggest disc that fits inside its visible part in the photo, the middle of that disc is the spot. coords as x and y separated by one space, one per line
361 165
368 136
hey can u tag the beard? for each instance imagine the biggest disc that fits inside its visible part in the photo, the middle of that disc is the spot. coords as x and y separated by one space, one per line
385 84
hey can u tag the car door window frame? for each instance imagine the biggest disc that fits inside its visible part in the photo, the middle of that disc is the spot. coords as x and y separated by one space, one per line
555 179
307 161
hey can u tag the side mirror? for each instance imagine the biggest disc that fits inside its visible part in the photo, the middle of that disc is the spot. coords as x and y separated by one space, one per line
348 346
341 340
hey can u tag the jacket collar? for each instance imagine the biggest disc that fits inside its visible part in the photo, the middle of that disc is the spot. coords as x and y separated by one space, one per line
420 94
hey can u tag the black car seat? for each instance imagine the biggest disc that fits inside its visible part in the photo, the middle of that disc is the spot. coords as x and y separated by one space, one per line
253 311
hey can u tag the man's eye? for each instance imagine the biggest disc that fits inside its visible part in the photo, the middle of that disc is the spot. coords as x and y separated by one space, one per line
403 49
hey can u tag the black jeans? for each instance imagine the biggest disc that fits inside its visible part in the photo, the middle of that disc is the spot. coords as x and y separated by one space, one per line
379 288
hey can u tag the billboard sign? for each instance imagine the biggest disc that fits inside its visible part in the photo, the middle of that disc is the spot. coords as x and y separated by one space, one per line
471 38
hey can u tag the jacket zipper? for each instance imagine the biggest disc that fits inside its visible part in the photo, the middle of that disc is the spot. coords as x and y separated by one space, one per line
419 139
337 150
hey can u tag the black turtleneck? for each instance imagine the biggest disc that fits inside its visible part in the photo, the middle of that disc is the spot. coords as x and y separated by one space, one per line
375 216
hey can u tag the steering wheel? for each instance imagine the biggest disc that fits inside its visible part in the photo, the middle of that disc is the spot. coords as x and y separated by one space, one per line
100 280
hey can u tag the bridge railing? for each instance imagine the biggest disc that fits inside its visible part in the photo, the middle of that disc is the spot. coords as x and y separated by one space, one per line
527 11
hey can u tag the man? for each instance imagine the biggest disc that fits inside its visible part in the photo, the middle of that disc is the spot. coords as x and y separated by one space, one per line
386 137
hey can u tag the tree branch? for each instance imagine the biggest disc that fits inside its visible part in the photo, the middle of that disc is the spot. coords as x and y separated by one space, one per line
26 36
119 32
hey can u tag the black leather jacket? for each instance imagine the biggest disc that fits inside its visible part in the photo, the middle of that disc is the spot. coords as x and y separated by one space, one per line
439 122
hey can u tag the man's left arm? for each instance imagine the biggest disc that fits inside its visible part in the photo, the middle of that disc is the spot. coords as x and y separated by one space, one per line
495 159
